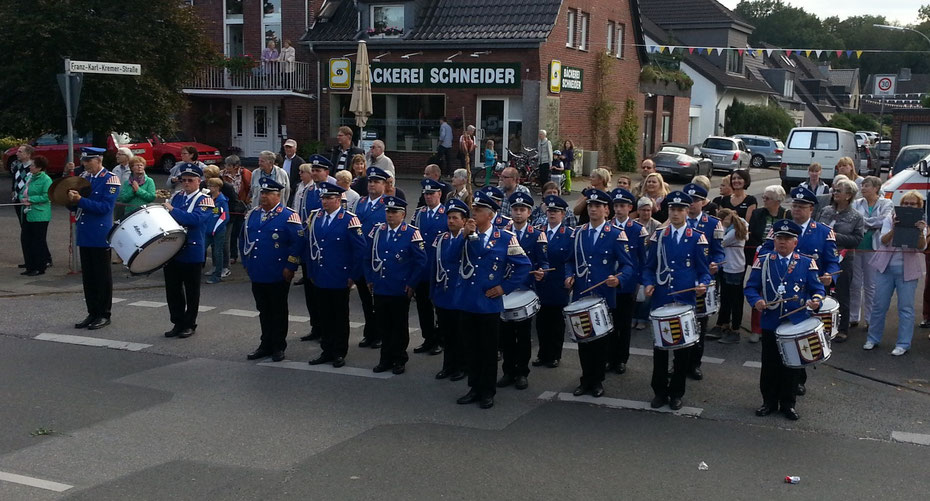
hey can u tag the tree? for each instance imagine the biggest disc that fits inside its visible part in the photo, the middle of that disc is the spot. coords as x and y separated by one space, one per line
853 121
627 138
783 25
164 36
772 121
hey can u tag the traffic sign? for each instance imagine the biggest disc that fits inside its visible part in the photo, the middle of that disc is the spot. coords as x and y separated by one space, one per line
106 68
885 85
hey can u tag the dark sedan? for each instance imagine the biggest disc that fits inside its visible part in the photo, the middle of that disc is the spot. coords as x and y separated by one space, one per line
682 160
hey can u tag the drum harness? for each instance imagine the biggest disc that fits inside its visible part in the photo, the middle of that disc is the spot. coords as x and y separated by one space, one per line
767 279
663 269
466 261
249 243
376 262
315 251
583 270
442 275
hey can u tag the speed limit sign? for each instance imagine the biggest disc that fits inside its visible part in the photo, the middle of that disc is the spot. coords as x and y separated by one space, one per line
885 84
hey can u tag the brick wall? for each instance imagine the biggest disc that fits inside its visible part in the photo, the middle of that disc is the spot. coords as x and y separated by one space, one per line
209 120
211 12
298 117
680 119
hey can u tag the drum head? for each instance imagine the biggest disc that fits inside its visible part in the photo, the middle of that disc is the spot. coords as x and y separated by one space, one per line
156 252
829 304
584 303
807 325
518 298
672 310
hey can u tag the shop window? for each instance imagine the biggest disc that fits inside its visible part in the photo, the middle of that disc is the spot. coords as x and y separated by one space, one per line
405 122
583 31
387 20
572 16
734 62
621 31
611 28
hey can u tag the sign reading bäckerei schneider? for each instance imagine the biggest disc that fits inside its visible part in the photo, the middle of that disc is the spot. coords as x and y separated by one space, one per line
448 75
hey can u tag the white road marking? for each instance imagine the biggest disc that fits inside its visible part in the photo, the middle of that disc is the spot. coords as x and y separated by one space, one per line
92 341
148 304
619 403
297 318
413 329
356 325
910 438
203 308
34 482
753 364
645 352
118 300
240 313
328 368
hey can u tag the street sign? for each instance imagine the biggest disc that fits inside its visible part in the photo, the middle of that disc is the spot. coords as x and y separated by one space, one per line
106 68
885 85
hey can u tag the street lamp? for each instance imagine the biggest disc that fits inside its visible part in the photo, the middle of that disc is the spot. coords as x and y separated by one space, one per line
900 28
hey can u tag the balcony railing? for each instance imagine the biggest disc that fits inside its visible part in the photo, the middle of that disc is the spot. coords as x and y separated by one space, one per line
272 75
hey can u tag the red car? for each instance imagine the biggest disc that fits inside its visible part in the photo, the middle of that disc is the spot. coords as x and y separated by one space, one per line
168 150
55 148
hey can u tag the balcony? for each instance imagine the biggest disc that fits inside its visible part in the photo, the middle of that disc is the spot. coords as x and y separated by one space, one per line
268 78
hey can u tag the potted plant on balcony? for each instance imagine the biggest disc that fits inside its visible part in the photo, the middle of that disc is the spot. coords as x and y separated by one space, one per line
239 68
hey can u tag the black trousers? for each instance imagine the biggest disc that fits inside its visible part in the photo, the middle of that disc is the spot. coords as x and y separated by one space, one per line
697 351
442 157
234 234
334 325
371 332
391 315
516 342
543 174
271 303
313 305
19 214
776 382
662 385
182 289
731 305
619 352
35 245
550 329
593 357
431 336
453 356
481 331
98 280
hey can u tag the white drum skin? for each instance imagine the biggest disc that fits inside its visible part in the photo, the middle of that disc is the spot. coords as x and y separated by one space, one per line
147 239
520 305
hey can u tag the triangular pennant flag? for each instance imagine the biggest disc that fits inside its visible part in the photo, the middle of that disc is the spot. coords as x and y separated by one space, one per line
788 52
708 50
858 54
807 52
849 53
818 52
740 51
690 50
768 52
759 52
662 49
650 48
839 53
719 51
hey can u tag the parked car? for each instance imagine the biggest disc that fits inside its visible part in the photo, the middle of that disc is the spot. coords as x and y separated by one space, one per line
765 150
167 150
824 145
55 147
727 153
884 154
682 160
915 178
872 136
909 156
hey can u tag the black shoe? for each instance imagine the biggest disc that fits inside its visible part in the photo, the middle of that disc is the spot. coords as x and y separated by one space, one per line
580 390
27 272
84 323
381 368
538 363
399 369
423 348
435 350
23 266
597 391
339 362
186 333
322 359
469 398
658 402
674 404
925 324
505 380
553 364
765 410
620 368
486 402
521 383
257 354
98 324
696 374
277 356
443 374
800 390
364 343
313 336
609 367
457 376
791 414
376 345
173 332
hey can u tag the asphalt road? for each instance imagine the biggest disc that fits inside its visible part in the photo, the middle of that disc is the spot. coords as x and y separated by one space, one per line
157 418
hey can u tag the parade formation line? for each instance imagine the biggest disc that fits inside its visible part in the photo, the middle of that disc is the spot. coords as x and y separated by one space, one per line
34 482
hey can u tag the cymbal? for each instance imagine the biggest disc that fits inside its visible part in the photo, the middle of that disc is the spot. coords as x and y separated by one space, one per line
58 191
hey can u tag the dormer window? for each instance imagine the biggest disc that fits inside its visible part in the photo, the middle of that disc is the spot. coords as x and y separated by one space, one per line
387 20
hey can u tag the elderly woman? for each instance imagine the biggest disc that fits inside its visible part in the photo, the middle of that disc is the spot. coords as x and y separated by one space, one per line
358 167
268 169
121 169
874 210
600 180
460 187
544 150
188 155
37 212
848 226
351 197
539 217
898 269
139 190
241 181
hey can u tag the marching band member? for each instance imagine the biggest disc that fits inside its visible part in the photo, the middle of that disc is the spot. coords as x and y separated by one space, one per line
500 220
305 202
445 283
713 231
396 259
336 249
271 245
431 221
487 254
619 345
553 296
516 338
676 259
775 276
192 209
370 211
601 254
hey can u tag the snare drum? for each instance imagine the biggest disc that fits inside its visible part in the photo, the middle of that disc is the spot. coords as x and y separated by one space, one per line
147 239
802 344
707 304
829 314
520 305
588 319
674 326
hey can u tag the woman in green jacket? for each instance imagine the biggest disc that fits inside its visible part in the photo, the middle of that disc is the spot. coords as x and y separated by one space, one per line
139 189
37 212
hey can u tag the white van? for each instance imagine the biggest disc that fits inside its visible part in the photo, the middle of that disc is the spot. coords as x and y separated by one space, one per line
824 145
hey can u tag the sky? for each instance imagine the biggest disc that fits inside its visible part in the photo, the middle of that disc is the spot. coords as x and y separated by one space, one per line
904 11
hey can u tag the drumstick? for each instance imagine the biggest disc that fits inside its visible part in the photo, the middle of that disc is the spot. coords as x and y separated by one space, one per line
685 290
792 312
834 273
595 286
547 269
11 205
784 300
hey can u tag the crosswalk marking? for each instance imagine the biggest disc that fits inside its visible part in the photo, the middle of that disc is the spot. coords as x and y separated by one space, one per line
910 438
646 353
118 300
753 364
92 341
240 313
618 403
203 308
329 369
148 304
297 318
34 482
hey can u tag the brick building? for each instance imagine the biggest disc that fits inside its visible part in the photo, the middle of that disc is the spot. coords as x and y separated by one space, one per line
910 126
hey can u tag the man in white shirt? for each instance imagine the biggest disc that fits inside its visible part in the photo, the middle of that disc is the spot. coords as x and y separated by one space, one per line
291 164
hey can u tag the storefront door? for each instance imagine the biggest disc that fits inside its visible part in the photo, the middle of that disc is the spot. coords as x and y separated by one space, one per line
255 127
501 119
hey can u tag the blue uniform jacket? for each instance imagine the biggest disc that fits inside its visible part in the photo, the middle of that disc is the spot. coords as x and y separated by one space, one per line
445 280
397 263
534 244
194 215
501 221
713 232
684 266
430 228
270 246
312 202
95 211
551 289
592 263
637 236
818 243
369 218
334 254
800 279
483 268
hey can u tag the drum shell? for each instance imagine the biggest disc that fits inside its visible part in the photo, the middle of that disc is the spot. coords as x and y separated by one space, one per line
520 305
803 344
708 304
829 314
674 327
147 239
588 319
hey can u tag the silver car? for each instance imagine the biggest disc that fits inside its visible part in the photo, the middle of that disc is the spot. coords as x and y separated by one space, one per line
727 153
766 150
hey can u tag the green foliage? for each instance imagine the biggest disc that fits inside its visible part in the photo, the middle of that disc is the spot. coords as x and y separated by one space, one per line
853 122
164 36
8 142
653 73
308 148
602 109
627 138
784 25
772 121
925 101
239 65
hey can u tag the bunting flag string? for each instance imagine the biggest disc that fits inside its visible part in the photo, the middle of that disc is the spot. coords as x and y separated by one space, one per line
811 53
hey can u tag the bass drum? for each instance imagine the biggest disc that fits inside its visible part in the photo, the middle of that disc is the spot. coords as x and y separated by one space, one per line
147 239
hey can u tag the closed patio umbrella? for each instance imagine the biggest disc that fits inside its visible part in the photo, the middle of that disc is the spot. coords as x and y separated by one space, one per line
361 89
